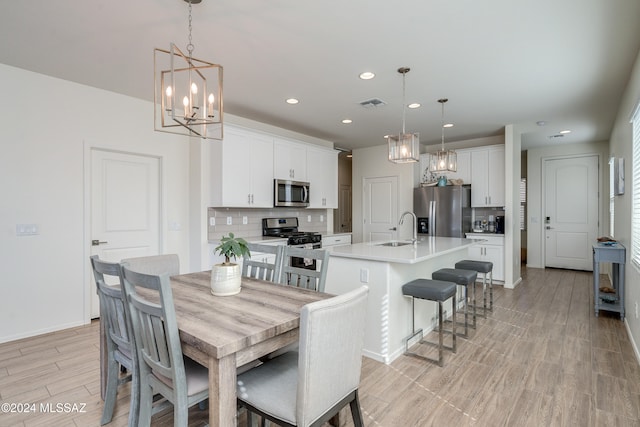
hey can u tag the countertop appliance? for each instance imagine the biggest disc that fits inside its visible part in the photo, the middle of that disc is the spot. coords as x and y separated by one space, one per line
443 211
288 228
288 193
500 224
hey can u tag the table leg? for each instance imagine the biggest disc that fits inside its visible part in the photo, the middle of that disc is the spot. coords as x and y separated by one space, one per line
222 391
596 283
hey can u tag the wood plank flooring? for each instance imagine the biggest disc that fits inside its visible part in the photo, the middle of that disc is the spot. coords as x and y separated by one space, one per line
540 359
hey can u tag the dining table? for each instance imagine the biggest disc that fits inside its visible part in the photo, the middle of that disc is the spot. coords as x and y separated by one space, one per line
226 332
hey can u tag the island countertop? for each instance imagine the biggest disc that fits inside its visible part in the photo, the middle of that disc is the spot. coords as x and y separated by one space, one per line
428 247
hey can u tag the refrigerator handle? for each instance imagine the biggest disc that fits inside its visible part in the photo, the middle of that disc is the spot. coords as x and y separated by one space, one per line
432 218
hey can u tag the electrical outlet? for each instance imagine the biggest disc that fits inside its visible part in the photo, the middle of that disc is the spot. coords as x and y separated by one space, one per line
245 220
321 218
229 221
308 218
364 275
212 221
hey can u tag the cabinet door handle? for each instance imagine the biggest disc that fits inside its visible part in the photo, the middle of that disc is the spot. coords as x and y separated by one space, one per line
248 199
252 199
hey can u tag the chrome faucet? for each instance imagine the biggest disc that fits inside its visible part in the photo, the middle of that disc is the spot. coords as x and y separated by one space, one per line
415 225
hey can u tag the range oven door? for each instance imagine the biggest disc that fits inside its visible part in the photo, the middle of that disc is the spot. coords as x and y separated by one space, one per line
308 264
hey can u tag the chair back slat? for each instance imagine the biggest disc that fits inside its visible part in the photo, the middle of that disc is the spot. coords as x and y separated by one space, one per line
257 269
303 277
154 324
113 310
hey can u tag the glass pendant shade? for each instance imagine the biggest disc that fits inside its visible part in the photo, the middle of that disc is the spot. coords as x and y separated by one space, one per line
404 148
443 161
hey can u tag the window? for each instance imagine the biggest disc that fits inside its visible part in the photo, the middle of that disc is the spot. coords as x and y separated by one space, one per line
523 204
635 210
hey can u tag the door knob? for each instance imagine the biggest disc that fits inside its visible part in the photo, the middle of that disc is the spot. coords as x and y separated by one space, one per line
393 229
97 242
549 228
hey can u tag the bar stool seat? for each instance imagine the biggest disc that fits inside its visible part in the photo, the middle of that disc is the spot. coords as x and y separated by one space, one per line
462 278
431 290
484 267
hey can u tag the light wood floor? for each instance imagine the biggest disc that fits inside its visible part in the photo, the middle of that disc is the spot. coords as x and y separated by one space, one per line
541 359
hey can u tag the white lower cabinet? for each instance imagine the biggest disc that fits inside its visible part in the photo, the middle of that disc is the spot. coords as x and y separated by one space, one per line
492 250
336 240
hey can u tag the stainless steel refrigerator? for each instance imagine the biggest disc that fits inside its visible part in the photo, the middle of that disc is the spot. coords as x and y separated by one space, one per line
443 211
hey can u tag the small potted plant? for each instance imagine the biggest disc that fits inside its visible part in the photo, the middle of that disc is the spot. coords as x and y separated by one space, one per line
226 277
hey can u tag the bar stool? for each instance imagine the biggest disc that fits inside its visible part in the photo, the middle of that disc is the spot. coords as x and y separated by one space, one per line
484 267
464 278
431 290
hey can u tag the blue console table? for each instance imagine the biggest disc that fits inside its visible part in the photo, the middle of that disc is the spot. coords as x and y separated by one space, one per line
616 255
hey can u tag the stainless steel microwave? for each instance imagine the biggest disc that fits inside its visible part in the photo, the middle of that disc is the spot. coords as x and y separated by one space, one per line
290 193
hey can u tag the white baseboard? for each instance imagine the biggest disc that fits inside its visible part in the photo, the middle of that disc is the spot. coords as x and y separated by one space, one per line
633 343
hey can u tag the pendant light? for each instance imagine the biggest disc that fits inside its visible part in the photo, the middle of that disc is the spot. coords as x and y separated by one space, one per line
188 92
405 147
443 161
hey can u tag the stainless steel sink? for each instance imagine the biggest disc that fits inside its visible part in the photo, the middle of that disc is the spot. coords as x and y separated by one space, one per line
394 244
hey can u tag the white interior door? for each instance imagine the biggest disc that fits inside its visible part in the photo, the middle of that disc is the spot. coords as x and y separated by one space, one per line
571 205
125 208
380 208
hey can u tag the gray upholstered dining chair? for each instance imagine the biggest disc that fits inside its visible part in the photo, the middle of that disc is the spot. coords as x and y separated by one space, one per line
155 264
163 368
309 386
305 277
257 268
118 338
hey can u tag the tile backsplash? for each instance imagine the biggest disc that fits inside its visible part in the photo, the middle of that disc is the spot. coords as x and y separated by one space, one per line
483 213
309 220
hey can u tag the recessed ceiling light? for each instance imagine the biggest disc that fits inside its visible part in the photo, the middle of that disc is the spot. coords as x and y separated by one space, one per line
414 105
292 101
347 121
565 131
447 125
367 75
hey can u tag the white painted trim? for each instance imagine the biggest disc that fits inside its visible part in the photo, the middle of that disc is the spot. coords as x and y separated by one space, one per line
633 342
55 328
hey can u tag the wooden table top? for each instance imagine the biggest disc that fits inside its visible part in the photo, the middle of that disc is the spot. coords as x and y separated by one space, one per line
223 325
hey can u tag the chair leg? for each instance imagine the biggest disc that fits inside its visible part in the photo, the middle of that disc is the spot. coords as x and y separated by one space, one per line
134 406
113 370
146 400
355 411
490 290
473 298
454 324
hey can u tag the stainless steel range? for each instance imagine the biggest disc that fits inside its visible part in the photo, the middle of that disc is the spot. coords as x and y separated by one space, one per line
288 228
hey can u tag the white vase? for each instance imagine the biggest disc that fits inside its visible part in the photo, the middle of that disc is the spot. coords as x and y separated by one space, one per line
225 279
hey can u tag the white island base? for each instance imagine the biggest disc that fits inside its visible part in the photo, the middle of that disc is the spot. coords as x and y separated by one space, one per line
384 270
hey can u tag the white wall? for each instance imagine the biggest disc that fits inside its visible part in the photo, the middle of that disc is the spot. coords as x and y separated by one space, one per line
374 162
535 215
47 127
620 145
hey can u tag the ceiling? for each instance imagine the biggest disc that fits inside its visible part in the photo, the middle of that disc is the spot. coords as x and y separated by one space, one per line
498 62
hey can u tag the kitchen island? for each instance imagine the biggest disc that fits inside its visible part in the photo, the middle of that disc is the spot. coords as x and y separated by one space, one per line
385 269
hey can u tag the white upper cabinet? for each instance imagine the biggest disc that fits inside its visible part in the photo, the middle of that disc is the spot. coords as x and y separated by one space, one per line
289 160
322 174
242 170
487 176
464 167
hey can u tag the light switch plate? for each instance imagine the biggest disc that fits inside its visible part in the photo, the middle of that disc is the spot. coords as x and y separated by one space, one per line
229 220
212 221
27 229
245 220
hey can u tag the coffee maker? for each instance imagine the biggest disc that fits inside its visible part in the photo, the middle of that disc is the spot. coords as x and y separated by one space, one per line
499 224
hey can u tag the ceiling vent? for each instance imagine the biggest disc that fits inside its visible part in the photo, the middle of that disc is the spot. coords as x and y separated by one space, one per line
373 102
